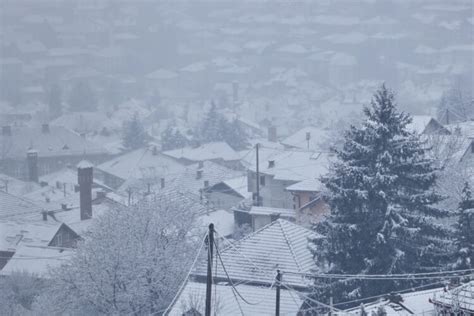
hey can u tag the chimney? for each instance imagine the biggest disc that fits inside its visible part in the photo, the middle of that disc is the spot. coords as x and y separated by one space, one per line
271 163
84 178
154 151
45 128
272 134
198 174
32 162
201 164
206 184
162 183
7 130
45 215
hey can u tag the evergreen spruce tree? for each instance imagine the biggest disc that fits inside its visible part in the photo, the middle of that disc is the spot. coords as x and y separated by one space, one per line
383 214
234 135
171 138
212 126
134 134
464 231
54 101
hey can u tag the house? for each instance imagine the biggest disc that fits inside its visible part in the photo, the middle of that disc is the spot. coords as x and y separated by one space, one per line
457 301
308 138
413 303
49 147
141 164
280 169
219 152
261 216
228 193
251 264
424 124
309 203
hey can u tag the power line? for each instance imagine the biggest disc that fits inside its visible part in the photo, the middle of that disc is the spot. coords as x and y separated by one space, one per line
173 301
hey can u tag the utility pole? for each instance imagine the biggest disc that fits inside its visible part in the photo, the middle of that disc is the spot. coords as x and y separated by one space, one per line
258 176
210 239
278 287
330 299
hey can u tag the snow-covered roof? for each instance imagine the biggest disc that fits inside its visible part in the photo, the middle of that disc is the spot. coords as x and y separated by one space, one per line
318 138
293 165
16 207
85 122
239 185
255 258
208 151
16 233
419 123
414 303
15 186
142 163
59 141
264 298
272 211
36 260
346 38
308 185
464 128
462 296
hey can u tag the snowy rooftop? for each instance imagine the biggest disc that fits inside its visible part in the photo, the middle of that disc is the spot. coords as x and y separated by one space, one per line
419 123
293 165
263 297
141 163
15 186
318 138
36 260
17 207
59 141
209 151
272 211
279 245
415 303
462 295
14 234
308 185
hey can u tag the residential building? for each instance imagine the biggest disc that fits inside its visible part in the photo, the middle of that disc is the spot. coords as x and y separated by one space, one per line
55 147
251 265
309 203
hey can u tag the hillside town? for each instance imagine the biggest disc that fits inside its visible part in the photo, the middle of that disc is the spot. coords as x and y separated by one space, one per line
237 158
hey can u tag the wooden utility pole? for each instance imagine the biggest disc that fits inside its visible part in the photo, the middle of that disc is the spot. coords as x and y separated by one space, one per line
278 287
210 240
258 176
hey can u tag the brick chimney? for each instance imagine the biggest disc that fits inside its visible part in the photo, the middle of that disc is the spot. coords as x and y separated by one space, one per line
272 134
32 162
45 128
84 178
7 130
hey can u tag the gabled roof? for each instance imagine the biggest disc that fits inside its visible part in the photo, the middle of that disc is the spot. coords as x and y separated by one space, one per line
226 304
237 185
255 258
208 151
141 163
14 234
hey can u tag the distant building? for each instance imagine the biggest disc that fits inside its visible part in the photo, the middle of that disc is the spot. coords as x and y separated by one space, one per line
55 147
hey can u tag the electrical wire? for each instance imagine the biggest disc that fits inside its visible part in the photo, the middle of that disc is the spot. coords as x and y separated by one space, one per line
173 301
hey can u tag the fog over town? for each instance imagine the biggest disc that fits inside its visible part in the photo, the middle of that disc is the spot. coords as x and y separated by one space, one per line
245 157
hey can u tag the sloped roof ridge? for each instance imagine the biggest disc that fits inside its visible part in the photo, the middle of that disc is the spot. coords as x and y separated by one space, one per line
288 242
